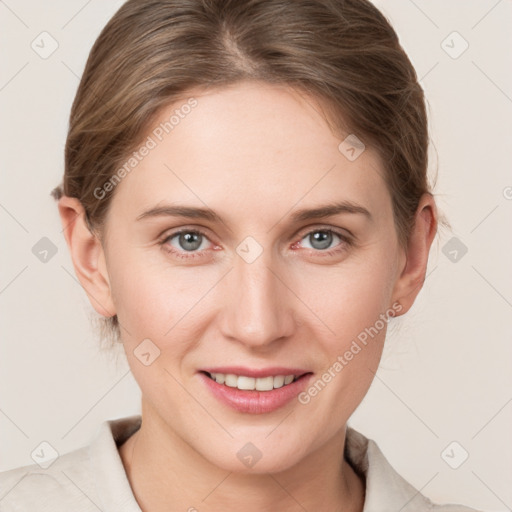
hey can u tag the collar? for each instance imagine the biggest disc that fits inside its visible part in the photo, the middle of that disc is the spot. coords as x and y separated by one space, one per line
386 490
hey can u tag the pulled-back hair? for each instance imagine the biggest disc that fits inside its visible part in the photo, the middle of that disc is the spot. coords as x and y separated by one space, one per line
151 53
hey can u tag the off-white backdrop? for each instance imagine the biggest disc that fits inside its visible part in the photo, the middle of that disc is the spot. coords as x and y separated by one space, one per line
446 371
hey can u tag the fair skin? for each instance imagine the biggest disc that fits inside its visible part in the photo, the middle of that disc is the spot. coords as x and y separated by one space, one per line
254 154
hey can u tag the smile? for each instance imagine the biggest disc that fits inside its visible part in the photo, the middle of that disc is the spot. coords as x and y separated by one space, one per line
255 394
251 383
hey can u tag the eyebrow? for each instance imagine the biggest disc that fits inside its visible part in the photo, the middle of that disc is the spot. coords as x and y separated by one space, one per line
328 210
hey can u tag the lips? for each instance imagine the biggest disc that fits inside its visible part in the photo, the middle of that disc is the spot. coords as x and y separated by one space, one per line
255 401
273 371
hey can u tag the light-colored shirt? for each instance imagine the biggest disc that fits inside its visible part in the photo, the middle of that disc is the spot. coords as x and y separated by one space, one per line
93 478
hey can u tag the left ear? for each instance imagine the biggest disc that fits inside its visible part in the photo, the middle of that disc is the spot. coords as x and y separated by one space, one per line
414 270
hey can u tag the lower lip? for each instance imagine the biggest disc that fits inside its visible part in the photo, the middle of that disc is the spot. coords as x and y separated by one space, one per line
256 402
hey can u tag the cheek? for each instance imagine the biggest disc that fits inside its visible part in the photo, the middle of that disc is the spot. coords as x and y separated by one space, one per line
351 297
354 305
350 303
140 299
149 296
158 302
152 307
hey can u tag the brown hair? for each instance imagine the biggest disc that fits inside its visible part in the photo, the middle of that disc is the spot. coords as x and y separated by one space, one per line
342 52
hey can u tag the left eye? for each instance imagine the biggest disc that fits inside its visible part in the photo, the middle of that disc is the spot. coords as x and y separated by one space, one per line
188 241
321 239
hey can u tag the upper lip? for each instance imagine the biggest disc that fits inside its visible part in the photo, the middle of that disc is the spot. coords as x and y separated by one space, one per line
257 373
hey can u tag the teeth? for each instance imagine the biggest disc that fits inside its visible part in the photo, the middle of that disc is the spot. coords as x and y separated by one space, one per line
251 383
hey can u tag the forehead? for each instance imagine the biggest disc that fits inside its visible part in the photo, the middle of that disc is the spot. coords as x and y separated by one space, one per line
250 146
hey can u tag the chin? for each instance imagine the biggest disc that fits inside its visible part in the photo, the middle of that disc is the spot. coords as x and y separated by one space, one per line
254 457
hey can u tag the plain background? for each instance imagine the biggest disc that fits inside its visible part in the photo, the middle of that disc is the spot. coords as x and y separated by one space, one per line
446 371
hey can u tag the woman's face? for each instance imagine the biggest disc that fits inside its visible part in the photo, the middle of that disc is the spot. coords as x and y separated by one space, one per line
260 289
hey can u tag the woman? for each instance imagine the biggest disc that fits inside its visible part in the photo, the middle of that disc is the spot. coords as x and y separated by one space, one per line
245 200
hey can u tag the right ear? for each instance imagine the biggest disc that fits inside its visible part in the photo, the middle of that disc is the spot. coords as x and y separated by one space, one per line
87 255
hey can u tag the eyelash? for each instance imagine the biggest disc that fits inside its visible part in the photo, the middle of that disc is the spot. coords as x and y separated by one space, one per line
345 243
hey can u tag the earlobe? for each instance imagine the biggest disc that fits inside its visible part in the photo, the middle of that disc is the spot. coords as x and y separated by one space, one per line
413 272
87 255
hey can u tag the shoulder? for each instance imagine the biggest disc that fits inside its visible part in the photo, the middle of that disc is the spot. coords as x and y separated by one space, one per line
64 485
87 479
386 490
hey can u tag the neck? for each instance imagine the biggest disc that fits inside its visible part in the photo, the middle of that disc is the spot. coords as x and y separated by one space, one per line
167 473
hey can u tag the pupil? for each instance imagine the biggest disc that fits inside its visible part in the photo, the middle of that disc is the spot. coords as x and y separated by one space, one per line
190 238
323 237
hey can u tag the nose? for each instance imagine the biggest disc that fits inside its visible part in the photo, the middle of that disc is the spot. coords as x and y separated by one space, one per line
257 306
